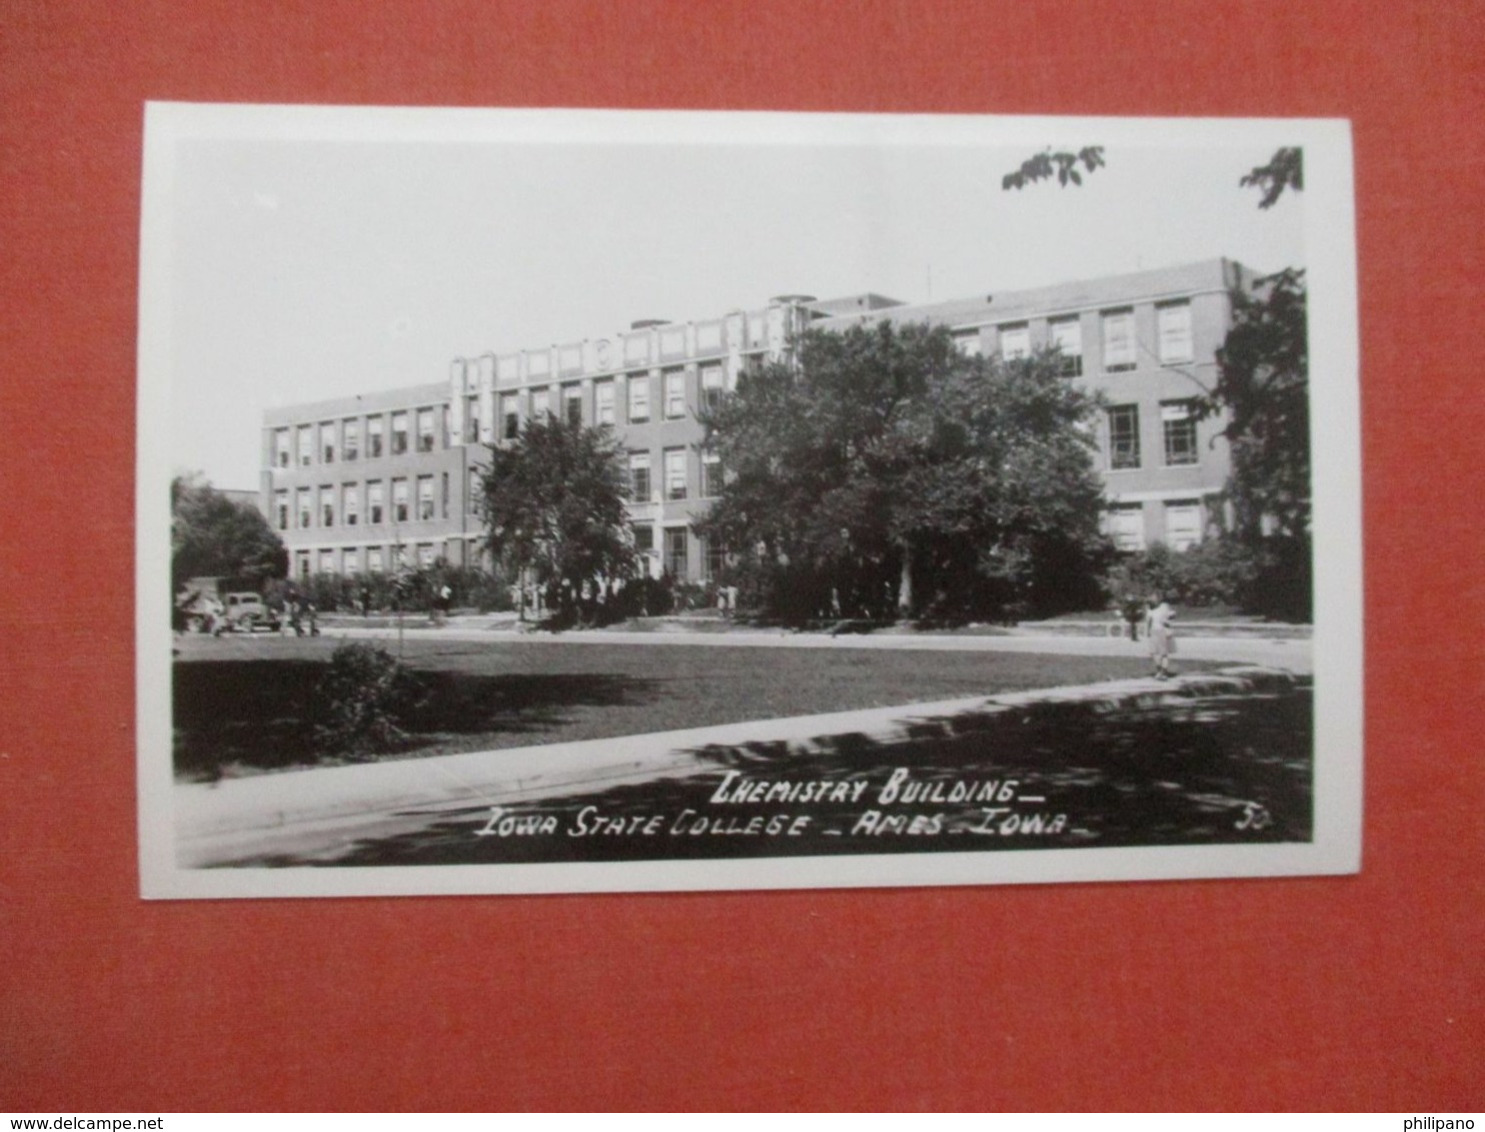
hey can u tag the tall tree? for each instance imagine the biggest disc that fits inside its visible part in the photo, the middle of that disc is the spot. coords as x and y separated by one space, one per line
553 506
886 471
1263 391
212 536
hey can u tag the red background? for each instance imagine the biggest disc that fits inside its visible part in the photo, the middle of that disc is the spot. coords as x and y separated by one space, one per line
1342 992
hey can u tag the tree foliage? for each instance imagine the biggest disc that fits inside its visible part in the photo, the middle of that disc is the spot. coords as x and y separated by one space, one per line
887 471
1263 387
553 506
1263 390
1285 170
1062 164
212 536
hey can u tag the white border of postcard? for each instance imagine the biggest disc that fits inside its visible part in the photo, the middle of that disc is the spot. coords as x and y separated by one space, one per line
1331 268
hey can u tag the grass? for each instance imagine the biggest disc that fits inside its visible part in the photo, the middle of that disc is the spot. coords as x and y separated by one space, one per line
242 706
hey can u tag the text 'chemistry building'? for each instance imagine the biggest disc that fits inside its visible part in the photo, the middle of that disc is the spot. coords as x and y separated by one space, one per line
362 483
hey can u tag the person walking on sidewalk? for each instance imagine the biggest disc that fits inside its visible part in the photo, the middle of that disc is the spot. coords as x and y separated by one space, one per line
1161 636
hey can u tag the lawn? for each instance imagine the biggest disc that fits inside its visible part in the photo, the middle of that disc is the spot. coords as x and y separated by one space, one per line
243 706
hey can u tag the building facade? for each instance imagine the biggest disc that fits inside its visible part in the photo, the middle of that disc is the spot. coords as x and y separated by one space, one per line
372 482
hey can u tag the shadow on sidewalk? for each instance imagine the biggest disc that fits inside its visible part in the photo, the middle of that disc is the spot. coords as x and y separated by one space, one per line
1210 770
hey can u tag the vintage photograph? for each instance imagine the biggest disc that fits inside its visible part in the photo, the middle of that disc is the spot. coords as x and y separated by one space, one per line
543 501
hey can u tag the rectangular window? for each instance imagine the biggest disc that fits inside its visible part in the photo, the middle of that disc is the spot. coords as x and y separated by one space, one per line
281 509
644 537
281 454
443 415
675 551
675 473
1127 526
714 559
603 399
639 477
572 405
306 445
1178 423
350 439
425 430
444 499
350 504
327 507
399 434
304 507
399 500
472 420
1182 524
541 404
510 414
1015 341
425 499
1067 337
327 562
967 342
374 427
327 442
375 562
1118 340
375 502
711 388
425 555
639 398
711 474
1174 322
348 564
675 393
1124 437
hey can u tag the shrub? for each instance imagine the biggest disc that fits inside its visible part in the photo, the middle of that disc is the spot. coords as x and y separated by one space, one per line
1219 571
472 588
361 700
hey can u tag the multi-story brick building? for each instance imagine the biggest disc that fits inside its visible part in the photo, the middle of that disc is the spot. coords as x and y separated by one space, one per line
357 484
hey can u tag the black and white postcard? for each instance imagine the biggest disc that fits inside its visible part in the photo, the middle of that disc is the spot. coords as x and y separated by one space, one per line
565 501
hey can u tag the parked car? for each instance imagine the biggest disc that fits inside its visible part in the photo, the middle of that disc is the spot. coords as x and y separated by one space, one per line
246 611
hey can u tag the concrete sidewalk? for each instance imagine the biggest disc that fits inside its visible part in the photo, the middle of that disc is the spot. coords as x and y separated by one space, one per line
304 814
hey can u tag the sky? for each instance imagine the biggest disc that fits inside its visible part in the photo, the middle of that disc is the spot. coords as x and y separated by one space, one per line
326 263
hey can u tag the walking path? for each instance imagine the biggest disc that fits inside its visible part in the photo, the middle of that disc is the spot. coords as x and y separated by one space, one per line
318 813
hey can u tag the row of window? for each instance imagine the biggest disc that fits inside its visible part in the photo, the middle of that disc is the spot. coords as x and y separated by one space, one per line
1120 345
347 441
320 508
1182 525
1178 430
350 561
674 403
328 441
667 342
673 555
675 485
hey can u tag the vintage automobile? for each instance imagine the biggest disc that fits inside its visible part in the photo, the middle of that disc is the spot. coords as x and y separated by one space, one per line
245 611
